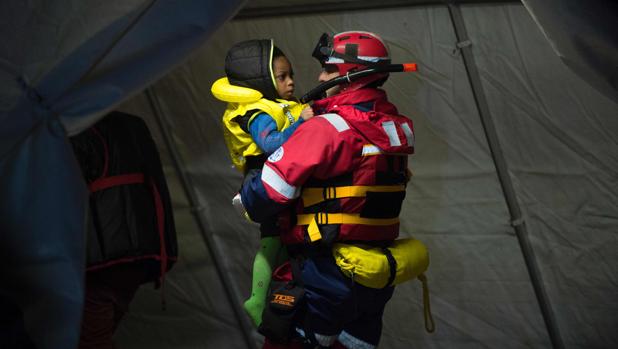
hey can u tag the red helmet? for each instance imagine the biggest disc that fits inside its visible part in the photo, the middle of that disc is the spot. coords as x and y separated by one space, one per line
352 51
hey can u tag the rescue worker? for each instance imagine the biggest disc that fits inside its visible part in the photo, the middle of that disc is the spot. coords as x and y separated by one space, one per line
343 175
261 114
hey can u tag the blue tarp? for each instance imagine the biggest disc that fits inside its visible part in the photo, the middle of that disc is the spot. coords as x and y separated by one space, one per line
63 65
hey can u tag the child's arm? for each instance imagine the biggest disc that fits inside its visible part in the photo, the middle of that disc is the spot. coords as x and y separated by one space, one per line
264 132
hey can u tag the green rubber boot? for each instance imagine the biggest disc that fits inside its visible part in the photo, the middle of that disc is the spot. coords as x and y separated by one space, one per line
265 260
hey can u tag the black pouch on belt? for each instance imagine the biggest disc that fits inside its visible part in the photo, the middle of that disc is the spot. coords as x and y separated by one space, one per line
283 304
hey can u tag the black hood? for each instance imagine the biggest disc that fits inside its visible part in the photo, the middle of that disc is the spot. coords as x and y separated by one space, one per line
249 64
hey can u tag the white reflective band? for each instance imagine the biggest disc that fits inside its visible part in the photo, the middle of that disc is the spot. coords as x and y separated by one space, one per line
409 134
337 121
391 131
323 340
335 60
270 177
370 149
352 342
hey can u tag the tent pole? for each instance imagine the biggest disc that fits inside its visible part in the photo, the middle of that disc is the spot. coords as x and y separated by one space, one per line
517 220
188 188
335 6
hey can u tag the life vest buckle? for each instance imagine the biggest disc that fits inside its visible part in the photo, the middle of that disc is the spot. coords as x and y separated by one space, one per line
321 218
329 193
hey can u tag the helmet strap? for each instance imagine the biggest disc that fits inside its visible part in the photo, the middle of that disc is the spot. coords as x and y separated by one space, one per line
347 76
330 52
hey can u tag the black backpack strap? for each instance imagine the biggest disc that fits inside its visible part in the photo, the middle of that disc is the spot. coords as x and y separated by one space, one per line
296 272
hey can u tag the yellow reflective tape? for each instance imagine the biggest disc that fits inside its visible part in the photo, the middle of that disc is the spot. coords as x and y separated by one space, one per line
312 196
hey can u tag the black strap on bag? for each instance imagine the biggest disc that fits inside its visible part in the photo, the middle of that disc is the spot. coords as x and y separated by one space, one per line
392 263
284 300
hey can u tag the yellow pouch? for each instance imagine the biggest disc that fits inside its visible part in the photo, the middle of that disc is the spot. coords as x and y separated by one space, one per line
369 266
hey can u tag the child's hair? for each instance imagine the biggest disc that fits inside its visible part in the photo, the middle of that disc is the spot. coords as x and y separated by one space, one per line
248 64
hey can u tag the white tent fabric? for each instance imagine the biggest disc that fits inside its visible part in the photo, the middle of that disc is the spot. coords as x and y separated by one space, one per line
557 136
556 132
584 36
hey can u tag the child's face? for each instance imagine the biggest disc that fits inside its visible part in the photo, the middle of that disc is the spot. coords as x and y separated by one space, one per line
284 77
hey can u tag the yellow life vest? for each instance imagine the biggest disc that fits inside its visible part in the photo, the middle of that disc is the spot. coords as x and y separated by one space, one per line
242 100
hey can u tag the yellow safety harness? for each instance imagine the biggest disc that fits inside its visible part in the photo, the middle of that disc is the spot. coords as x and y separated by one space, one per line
312 196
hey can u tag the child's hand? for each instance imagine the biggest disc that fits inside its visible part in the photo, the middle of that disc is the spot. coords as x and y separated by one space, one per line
237 203
306 114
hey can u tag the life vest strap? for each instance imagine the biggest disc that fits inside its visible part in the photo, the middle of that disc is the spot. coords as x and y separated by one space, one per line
430 325
113 181
312 196
313 220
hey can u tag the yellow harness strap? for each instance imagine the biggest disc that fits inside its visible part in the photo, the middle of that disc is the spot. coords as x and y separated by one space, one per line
312 196
430 326
312 220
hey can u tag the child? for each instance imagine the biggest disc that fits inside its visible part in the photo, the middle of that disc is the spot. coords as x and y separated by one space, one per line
261 114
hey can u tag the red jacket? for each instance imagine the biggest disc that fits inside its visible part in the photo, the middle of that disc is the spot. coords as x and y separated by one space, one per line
358 143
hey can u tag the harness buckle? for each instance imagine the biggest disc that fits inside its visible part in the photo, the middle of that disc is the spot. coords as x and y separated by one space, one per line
321 218
329 193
